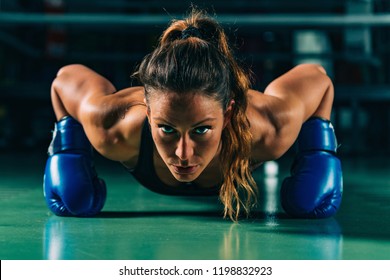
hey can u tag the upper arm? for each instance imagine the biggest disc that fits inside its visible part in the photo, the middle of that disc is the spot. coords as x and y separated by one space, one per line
278 114
111 119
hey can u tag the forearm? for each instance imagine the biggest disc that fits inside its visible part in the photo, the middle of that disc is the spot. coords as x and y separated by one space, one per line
58 107
324 109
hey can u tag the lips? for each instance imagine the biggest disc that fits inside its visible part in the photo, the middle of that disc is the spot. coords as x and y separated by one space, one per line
185 170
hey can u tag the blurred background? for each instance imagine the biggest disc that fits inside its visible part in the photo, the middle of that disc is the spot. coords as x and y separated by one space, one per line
350 38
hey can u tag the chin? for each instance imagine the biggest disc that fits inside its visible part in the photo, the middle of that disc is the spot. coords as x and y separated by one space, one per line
185 178
186 175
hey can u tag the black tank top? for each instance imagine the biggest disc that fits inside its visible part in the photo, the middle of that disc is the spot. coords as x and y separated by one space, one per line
145 173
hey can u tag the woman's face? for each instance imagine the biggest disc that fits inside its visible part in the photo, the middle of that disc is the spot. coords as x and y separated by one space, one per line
187 131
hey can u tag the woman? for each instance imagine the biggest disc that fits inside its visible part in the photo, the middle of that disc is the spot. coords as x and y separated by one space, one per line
194 128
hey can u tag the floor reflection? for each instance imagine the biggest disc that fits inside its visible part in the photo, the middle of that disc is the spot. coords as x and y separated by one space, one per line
170 238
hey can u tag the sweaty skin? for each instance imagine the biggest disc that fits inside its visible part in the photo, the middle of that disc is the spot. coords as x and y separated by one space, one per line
113 120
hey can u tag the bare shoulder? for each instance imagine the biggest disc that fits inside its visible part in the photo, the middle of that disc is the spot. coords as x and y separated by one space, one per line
122 116
270 126
261 126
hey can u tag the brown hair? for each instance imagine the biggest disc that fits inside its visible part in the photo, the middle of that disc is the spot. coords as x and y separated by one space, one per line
193 55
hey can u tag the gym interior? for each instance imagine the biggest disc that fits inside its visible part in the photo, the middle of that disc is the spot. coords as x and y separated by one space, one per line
349 38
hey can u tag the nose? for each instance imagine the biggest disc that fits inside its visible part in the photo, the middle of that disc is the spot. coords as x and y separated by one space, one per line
184 149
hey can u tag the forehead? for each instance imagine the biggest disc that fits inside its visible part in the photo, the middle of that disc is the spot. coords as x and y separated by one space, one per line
170 104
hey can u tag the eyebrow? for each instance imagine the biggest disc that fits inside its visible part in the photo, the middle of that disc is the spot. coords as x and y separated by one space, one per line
194 125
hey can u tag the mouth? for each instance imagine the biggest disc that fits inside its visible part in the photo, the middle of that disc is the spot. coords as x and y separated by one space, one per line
185 170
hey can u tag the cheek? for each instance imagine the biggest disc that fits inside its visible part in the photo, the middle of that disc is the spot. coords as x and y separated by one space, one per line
209 146
163 144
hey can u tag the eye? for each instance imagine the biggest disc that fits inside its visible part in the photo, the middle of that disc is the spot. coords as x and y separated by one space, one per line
201 130
167 129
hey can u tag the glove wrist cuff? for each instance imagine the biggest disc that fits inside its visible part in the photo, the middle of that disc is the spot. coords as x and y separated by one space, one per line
69 135
317 134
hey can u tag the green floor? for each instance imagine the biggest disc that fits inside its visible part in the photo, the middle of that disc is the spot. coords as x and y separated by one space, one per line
138 224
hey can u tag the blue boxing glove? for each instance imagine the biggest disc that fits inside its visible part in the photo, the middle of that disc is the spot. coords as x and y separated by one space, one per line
70 184
315 187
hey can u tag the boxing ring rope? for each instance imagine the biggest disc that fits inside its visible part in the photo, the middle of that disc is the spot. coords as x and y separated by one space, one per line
260 20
